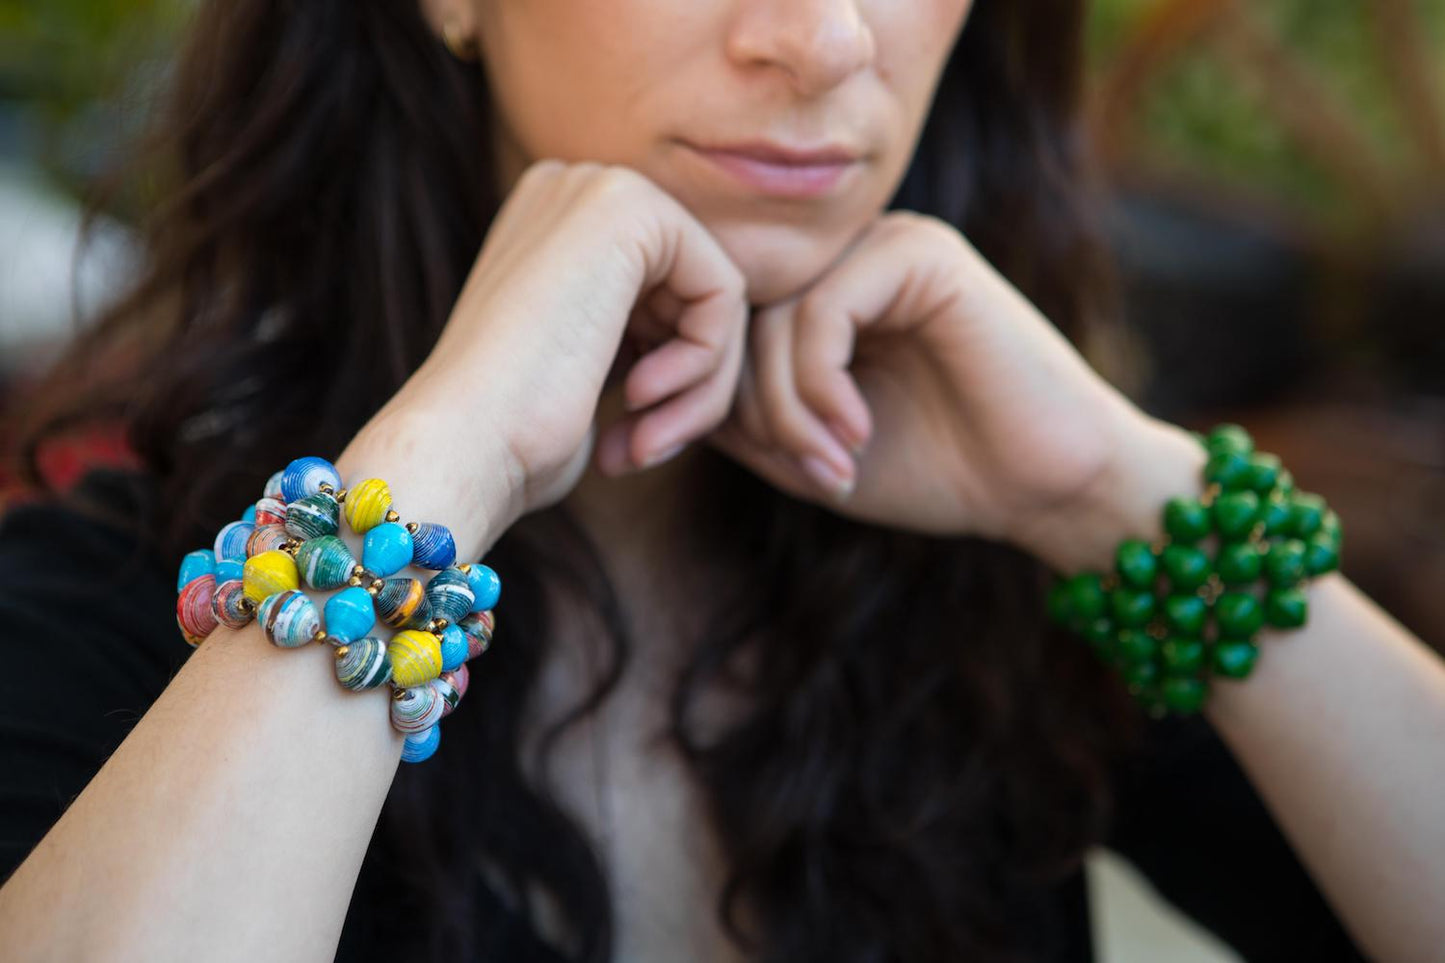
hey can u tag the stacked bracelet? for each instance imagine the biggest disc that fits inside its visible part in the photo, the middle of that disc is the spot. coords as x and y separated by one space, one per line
1170 616
257 564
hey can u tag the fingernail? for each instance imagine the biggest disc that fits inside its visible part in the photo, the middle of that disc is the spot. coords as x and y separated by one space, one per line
658 457
827 476
846 436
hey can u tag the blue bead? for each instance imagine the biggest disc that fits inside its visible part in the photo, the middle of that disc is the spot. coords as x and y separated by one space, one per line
249 515
432 546
349 614
200 562
454 647
304 477
387 549
486 586
229 568
231 540
419 746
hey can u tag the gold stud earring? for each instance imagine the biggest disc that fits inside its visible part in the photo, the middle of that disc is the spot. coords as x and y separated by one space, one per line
458 41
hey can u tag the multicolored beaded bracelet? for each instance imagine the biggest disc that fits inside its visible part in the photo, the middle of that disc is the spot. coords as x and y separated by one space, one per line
1169 616
257 563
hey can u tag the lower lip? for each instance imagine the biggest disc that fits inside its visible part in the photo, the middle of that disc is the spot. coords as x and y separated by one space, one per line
781 180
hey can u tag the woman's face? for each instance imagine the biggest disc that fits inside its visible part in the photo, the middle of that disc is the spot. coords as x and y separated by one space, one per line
645 83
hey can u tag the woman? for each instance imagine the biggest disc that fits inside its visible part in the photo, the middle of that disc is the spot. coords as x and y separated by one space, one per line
789 691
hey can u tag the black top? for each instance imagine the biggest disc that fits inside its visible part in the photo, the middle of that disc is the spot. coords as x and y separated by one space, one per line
80 603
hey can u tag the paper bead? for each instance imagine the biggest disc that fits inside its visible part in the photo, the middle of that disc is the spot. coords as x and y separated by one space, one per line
313 516
419 746
229 569
305 476
367 504
249 514
479 627
363 664
230 605
445 686
325 562
231 540
432 545
417 709
460 678
454 647
268 574
449 595
401 603
349 614
266 538
289 619
386 549
416 657
193 609
270 511
486 586
194 565
273 488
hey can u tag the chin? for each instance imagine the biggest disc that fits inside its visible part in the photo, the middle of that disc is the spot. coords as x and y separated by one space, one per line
778 261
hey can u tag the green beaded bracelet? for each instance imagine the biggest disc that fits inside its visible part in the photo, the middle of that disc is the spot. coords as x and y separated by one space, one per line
1169 617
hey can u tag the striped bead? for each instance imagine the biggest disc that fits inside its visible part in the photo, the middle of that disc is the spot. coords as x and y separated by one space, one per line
479 627
231 540
266 538
193 609
454 647
325 562
416 658
459 677
349 614
200 562
363 664
230 606
270 511
268 574
386 549
447 689
289 619
305 476
273 487
449 594
313 516
486 586
401 603
367 504
432 545
417 709
420 746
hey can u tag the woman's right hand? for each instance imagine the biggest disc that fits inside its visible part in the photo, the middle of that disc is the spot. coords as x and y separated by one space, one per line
579 254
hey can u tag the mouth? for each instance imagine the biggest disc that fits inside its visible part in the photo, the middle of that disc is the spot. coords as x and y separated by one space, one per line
781 173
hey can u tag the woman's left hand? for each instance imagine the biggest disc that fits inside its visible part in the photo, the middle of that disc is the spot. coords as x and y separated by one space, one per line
970 413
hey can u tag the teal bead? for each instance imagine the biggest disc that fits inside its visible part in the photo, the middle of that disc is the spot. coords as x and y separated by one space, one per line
1182 656
194 565
1307 512
1229 436
1184 694
1136 646
486 586
1087 598
1239 563
229 569
1284 564
386 549
1187 567
1277 515
1235 658
1185 519
420 746
1286 608
454 647
349 614
1132 607
1230 470
313 516
1136 563
1186 613
325 562
1264 469
1238 614
1235 514
1321 554
449 594
1138 675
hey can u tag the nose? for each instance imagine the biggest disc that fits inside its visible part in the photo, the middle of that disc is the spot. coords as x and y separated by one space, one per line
818 43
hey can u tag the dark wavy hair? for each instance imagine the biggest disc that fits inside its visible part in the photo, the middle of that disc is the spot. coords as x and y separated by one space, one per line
919 750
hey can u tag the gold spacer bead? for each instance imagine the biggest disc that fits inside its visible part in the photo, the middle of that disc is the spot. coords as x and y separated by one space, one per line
341 496
397 692
412 527
392 516
320 636
325 489
437 626
341 650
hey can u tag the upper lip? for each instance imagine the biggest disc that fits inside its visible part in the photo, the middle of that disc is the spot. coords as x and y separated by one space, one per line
765 150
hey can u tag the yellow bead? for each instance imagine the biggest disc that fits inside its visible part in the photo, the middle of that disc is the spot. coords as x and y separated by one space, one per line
267 574
416 658
366 505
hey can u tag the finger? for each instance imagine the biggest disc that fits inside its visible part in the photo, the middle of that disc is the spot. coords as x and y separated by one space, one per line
747 407
666 370
823 342
796 429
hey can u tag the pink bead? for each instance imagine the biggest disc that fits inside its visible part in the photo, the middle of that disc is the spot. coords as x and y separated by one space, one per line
193 608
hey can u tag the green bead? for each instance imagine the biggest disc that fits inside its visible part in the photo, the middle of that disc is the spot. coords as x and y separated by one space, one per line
1330 525
1184 694
1136 646
1138 675
1307 511
1132 607
1087 598
1199 437
1057 603
1276 514
1186 613
1235 514
1284 564
1286 608
1182 656
1185 519
1230 469
1321 554
1263 472
1284 484
1238 563
1136 563
1187 567
1238 614
1235 658
1099 632
1228 436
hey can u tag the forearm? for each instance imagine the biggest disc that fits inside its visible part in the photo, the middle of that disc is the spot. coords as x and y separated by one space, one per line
1340 726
